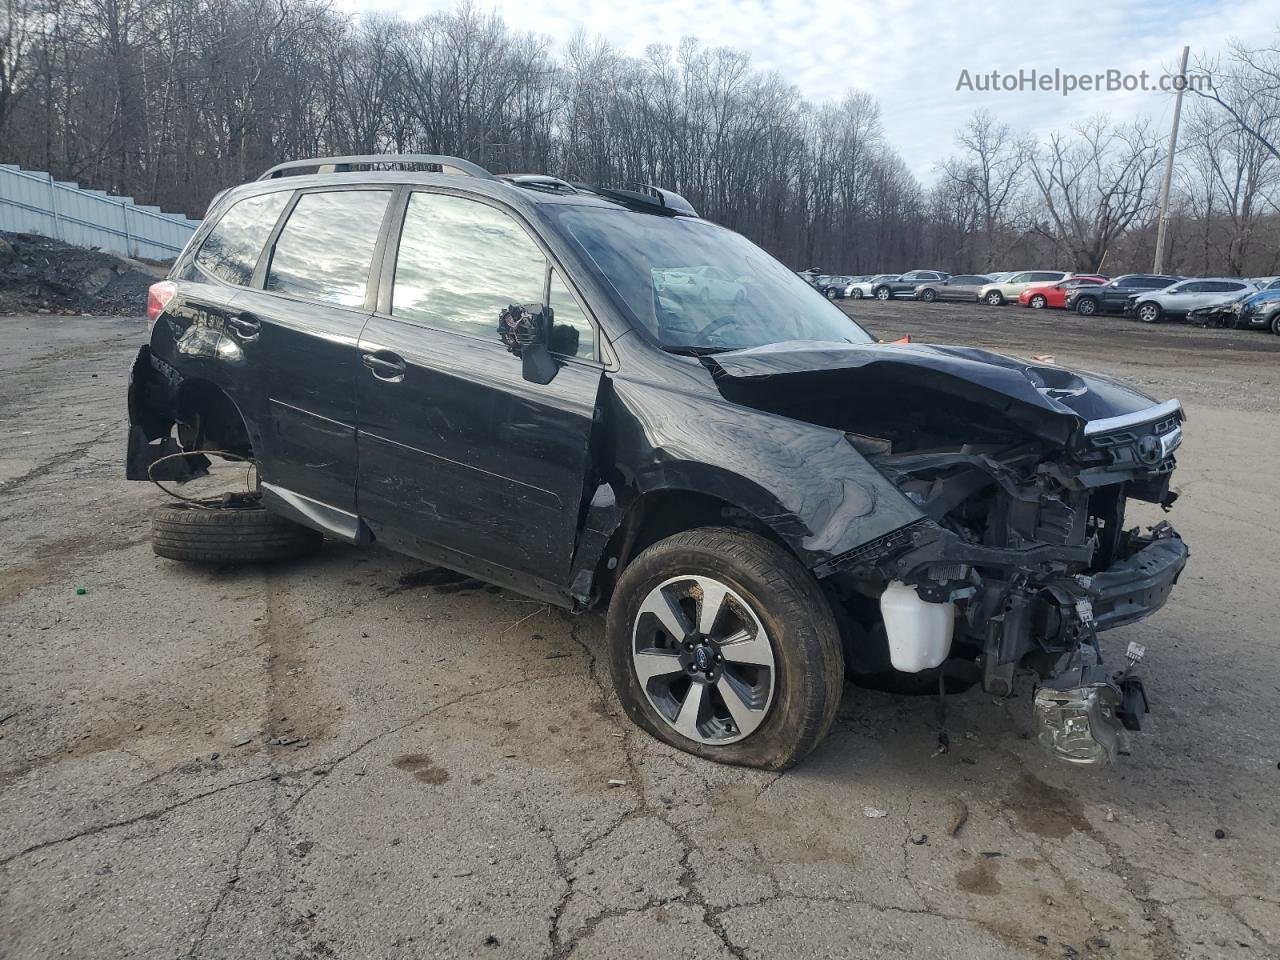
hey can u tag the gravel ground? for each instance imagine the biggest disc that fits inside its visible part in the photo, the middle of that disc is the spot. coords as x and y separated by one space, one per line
447 791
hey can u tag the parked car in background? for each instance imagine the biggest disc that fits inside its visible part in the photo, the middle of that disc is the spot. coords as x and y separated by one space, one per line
962 287
1001 275
861 289
1001 292
905 285
1266 283
708 284
1041 295
1181 298
1112 296
834 286
1253 311
855 283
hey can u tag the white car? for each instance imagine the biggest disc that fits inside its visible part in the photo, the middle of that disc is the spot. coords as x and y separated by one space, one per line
862 289
1179 299
701 283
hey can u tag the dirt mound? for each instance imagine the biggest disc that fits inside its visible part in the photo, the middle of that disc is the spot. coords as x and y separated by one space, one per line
39 275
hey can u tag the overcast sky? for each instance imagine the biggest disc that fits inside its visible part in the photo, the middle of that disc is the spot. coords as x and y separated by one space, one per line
909 54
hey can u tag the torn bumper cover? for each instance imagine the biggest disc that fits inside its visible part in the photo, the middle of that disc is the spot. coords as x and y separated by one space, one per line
153 386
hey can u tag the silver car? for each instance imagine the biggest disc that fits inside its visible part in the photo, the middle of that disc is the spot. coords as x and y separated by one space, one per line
862 289
999 293
1179 299
963 287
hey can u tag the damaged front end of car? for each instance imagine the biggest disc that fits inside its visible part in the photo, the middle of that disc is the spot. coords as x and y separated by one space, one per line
1021 555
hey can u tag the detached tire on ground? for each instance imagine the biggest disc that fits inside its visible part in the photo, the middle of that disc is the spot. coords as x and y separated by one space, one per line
721 644
247 534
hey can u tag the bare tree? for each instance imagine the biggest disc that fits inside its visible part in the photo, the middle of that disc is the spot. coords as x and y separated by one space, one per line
17 36
1246 86
1095 185
991 168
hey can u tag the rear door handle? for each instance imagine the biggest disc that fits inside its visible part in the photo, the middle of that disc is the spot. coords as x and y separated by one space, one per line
246 325
385 365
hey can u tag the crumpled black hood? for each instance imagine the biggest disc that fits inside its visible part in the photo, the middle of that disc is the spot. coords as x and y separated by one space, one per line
1029 392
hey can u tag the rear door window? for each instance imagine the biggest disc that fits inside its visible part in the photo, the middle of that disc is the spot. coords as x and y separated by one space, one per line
231 250
326 247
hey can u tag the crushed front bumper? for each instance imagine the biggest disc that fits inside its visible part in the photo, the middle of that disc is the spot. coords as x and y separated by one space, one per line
1137 585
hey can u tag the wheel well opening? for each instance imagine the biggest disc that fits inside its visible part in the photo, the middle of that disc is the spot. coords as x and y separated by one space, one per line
662 514
208 419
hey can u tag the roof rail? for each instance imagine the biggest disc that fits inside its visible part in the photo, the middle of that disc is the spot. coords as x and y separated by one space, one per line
346 164
539 181
646 197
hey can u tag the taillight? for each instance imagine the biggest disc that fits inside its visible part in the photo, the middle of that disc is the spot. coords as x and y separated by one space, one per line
158 297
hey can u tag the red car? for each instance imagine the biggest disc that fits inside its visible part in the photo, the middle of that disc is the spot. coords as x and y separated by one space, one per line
1055 294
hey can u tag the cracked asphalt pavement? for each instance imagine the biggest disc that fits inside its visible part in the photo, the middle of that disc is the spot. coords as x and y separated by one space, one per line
359 756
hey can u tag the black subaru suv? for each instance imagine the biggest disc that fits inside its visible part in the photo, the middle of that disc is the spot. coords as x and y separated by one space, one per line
499 375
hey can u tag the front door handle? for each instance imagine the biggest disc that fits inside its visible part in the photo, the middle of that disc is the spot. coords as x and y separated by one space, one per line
385 365
246 325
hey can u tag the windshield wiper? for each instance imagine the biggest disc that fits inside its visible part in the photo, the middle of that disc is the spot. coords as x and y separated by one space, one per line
696 351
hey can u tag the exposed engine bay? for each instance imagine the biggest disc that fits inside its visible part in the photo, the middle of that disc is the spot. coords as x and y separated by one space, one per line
1022 555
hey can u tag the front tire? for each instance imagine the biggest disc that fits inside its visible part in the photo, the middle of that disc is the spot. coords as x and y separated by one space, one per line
721 644
994 299
856 295
1087 307
928 296
1275 324
248 534
1038 302
882 294
1149 312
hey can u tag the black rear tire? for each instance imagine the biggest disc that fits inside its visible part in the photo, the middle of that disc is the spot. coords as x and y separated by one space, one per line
793 610
249 534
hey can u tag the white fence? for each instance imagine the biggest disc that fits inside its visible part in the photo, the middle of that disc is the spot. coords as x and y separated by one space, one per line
33 202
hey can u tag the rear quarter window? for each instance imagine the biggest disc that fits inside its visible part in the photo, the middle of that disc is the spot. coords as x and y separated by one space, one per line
231 250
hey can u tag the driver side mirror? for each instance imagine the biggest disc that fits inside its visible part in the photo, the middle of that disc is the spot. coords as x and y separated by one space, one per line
525 330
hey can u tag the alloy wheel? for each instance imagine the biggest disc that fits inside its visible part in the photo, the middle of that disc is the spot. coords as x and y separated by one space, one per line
1037 303
703 659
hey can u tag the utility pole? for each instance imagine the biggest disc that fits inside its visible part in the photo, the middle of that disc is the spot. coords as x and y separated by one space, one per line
1162 227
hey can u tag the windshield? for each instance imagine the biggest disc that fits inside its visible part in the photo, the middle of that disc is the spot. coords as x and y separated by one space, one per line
699 288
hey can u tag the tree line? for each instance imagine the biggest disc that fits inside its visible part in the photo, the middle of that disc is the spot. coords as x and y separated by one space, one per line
170 101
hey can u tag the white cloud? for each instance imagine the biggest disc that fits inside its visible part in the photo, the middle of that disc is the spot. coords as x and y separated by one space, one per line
909 53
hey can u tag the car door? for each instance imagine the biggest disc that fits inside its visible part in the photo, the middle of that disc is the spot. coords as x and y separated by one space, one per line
906 284
462 460
1180 299
201 322
311 297
1015 285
